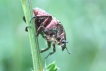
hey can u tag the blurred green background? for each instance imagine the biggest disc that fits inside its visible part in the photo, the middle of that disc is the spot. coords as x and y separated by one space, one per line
85 25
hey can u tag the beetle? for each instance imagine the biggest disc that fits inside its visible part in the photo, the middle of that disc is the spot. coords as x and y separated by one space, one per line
50 29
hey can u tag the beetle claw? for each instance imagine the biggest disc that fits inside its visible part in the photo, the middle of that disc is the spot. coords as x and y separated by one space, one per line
26 28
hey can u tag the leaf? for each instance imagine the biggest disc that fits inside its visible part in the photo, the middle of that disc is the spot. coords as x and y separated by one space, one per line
51 67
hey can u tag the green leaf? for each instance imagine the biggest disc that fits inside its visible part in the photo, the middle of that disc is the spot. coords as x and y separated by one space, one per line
51 67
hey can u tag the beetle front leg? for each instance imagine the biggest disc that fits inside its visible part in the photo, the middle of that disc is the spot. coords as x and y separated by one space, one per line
39 30
46 21
38 17
49 45
54 50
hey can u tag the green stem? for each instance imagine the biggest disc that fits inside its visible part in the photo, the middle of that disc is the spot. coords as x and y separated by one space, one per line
37 64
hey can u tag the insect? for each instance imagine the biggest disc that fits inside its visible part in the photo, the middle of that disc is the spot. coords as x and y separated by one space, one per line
50 29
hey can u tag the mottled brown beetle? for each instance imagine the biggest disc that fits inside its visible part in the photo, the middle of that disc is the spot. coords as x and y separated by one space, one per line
50 29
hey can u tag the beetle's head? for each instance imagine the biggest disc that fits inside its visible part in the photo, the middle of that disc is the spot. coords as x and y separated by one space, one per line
62 42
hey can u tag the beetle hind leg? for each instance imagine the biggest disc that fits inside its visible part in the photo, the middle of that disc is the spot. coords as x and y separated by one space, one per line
54 50
49 45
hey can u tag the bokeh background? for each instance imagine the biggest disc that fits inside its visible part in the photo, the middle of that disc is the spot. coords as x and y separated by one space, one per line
85 25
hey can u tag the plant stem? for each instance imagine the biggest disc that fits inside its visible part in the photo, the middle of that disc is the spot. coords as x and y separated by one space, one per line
37 64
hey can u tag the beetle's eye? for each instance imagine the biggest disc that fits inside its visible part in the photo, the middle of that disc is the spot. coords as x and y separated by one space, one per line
63 41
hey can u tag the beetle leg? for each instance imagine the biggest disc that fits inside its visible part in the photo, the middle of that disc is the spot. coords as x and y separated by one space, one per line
38 17
39 29
54 50
35 17
46 21
43 24
49 45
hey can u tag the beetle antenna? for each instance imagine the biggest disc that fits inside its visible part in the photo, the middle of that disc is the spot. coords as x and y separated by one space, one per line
68 51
